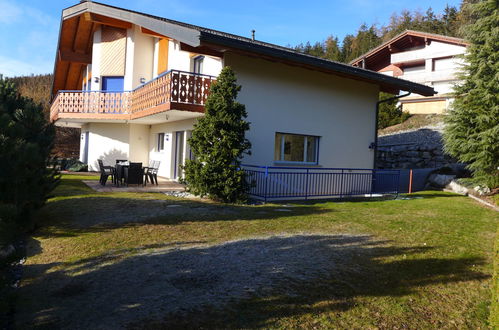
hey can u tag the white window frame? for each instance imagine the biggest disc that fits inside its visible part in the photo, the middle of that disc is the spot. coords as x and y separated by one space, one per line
160 142
198 61
305 142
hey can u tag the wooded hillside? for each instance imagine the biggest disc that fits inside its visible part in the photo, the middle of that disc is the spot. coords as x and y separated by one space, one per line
449 23
37 87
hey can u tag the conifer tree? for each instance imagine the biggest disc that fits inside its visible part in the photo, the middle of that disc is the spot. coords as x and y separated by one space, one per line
472 130
26 140
218 144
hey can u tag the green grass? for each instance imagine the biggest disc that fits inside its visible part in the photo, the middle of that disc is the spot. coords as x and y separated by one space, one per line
432 268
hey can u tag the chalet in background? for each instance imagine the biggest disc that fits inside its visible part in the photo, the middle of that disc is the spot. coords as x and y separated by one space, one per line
430 59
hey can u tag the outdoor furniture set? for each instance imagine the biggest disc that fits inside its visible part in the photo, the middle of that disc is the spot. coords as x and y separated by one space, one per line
126 173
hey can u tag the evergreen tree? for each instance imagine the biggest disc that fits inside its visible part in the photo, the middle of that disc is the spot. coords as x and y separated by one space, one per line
389 113
450 22
26 140
218 144
346 48
472 131
365 40
332 50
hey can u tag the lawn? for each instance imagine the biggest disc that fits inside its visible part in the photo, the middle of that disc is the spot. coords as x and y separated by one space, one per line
110 260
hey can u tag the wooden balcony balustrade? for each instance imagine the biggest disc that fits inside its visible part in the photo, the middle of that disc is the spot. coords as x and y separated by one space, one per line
173 90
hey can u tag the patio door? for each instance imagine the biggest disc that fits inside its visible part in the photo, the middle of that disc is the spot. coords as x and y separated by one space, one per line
179 154
114 86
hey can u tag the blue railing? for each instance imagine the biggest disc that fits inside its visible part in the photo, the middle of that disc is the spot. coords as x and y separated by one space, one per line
279 182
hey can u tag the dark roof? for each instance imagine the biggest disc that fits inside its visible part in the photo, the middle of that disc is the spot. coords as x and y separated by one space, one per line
287 54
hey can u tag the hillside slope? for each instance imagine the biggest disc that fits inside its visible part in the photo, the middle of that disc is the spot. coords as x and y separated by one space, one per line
37 87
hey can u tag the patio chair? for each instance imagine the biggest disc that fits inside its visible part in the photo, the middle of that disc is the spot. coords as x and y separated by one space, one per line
105 172
134 174
151 172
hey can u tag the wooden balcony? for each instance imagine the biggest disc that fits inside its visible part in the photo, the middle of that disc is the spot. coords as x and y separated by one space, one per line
173 90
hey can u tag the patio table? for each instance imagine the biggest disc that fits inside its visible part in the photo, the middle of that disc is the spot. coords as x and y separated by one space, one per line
120 172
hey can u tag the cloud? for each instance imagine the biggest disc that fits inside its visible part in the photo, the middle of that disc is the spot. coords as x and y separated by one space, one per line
29 44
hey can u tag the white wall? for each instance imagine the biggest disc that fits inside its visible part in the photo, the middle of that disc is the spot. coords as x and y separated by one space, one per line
211 65
182 60
139 143
281 98
167 156
434 50
129 59
178 59
444 87
96 58
107 141
143 57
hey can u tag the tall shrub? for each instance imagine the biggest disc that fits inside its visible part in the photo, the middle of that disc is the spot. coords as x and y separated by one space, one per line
218 144
472 130
26 139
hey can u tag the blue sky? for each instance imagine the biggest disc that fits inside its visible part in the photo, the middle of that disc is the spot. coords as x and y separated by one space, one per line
29 28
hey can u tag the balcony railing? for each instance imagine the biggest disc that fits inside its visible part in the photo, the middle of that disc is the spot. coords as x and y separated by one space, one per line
173 90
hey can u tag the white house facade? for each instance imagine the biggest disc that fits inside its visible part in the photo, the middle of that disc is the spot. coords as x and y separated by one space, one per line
136 85
425 58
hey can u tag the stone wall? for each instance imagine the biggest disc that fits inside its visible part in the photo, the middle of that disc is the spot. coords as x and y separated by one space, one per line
422 148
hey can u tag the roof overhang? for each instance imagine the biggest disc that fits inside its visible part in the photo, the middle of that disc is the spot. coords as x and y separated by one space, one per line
387 83
80 21
408 38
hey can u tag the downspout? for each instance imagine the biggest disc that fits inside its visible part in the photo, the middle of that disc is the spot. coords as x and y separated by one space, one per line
375 144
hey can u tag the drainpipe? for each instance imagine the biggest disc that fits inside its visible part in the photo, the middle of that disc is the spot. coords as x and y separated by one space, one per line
374 145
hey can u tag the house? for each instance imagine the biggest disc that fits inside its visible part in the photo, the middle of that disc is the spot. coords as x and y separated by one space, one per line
136 84
430 59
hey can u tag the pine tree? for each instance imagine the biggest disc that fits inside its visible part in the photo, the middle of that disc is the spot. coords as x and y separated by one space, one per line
26 140
332 50
472 131
389 113
218 144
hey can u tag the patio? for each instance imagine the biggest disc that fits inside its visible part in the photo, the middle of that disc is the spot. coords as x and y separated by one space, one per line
164 185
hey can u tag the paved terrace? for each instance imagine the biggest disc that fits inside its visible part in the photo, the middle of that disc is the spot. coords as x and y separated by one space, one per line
164 185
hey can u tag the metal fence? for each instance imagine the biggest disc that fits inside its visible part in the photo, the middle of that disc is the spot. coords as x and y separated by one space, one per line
279 182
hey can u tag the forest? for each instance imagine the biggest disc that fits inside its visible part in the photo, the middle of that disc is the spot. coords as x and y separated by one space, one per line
450 23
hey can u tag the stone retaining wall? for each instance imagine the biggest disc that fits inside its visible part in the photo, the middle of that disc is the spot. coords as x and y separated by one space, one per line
420 148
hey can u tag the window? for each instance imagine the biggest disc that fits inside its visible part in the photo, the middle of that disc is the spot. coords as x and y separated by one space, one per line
198 64
296 148
161 142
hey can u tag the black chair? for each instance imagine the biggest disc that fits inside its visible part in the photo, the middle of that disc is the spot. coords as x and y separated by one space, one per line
151 172
105 172
134 174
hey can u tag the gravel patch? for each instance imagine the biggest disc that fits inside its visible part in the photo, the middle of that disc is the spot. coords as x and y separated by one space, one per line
113 291
426 135
181 194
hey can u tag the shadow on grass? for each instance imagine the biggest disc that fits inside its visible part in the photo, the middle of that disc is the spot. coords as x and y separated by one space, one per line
72 216
246 283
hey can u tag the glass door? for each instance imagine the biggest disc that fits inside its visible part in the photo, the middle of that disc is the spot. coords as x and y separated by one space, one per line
179 154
